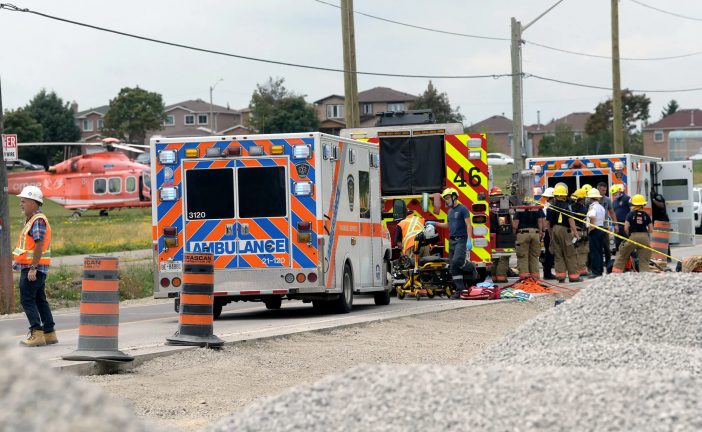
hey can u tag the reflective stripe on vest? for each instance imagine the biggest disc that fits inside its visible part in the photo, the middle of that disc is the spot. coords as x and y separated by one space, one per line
24 252
410 228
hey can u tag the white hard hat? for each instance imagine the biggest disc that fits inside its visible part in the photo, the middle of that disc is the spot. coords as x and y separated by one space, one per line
548 193
594 193
32 192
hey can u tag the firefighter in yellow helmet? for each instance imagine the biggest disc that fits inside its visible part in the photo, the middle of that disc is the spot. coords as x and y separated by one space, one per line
500 265
564 234
406 231
529 226
638 227
582 247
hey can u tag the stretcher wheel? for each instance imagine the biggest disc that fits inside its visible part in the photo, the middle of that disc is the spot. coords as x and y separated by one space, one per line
418 296
430 293
400 294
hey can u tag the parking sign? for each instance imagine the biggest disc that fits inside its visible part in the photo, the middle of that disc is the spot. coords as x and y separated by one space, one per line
9 146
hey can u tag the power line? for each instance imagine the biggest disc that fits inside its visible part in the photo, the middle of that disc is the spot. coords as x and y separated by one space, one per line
591 86
13 8
417 26
610 57
665 11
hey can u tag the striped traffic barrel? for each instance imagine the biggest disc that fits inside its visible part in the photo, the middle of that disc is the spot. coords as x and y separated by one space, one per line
196 300
99 312
660 239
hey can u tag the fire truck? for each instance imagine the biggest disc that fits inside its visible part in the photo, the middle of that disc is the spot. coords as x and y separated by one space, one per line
639 174
287 216
418 161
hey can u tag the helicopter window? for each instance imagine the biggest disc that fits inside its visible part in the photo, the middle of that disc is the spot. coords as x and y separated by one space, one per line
130 184
100 186
115 185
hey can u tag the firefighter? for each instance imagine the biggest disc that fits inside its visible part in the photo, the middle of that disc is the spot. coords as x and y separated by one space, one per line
548 256
638 227
500 266
596 215
564 234
529 226
406 231
622 206
582 247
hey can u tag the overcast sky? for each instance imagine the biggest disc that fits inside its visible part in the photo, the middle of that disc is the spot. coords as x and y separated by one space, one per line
90 66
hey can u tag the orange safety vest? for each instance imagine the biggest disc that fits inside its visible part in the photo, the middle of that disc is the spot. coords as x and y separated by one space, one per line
410 228
24 252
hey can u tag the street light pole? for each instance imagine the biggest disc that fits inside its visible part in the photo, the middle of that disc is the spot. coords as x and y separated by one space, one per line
213 126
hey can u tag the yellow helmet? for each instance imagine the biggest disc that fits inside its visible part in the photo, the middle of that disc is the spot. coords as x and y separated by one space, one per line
449 192
616 188
579 193
638 200
587 187
560 190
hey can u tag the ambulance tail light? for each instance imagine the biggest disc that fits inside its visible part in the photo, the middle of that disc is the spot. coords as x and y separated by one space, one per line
303 188
170 231
302 151
213 152
312 277
233 151
479 219
170 242
303 232
169 193
255 150
479 208
165 282
277 149
289 278
192 153
176 282
300 277
304 226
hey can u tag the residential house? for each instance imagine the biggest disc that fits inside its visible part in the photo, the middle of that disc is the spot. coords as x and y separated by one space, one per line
499 133
90 122
330 109
199 118
675 137
576 121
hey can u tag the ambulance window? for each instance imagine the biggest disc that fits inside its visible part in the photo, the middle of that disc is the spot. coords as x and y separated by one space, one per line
412 165
130 184
209 193
115 185
364 194
675 190
262 192
100 186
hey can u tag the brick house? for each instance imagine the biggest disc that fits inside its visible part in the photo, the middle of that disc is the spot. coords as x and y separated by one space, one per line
673 137
330 109
576 121
499 132
90 122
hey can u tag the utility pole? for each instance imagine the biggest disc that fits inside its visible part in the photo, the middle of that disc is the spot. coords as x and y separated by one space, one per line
213 125
617 129
518 151
352 115
7 289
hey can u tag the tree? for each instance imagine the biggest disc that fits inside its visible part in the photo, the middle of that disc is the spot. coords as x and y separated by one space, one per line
133 113
274 109
563 142
634 111
56 118
670 108
28 130
439 104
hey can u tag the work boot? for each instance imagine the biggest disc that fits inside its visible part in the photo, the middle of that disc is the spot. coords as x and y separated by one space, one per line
574 280
549 276
456 295
35 338
50 338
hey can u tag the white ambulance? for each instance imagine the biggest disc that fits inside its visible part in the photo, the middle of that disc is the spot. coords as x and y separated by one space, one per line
287 216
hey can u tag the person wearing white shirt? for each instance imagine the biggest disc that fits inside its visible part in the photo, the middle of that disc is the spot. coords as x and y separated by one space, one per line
596 215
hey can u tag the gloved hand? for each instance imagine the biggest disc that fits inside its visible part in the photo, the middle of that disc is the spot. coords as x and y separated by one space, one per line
469 244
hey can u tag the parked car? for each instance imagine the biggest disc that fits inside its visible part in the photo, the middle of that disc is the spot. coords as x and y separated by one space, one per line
697 209
21 164
499 159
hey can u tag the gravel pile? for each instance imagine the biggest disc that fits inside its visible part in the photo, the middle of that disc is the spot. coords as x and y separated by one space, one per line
35 397
624 354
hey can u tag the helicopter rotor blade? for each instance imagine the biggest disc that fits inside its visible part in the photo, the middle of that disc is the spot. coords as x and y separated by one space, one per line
128 148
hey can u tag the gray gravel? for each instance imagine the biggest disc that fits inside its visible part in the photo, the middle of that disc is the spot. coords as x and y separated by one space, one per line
624 354
34 397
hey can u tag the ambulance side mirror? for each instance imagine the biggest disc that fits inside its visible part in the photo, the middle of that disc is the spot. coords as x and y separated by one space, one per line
399 209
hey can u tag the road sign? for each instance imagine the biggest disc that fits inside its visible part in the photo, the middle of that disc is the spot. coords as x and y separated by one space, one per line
9 146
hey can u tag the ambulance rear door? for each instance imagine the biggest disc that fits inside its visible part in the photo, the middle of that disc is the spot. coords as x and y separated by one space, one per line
674 182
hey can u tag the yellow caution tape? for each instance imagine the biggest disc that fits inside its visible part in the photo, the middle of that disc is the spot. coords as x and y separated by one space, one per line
622 223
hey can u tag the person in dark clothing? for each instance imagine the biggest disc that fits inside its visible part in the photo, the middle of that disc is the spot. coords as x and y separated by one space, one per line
563 235
548 256
658 209
622 206
529 226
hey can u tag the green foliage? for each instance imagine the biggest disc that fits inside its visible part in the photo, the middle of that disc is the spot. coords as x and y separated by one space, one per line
136 281
502 175
634 110
562 143
21 122
133 113
277 110
58 125
697 172
439 104
670 108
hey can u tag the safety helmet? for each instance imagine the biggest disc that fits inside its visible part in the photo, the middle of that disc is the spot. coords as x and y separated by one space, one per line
548 193
616 188
586 187
638 200
495 191
448 192
579 193
564 185
594 193
32 192
560 190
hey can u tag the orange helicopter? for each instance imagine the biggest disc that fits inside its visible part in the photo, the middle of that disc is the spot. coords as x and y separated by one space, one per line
94 181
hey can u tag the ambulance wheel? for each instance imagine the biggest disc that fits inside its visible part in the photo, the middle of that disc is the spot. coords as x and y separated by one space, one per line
217 309
273 303
383 298
344 303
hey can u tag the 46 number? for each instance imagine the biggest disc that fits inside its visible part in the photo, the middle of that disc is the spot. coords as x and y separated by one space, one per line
473 177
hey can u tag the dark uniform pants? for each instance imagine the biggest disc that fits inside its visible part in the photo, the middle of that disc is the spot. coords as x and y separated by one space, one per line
528 248
626 248
457 259
596 240
548 256
582 251
564 253
500 269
